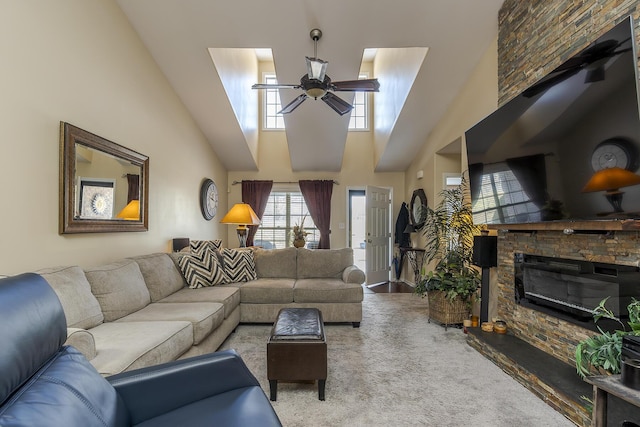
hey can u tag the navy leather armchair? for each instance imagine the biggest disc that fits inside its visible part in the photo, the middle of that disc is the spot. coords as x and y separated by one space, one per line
44 383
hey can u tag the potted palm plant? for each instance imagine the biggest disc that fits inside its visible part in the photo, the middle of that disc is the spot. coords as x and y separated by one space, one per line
452 285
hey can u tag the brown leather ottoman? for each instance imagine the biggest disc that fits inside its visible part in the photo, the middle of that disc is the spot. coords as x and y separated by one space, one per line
297 349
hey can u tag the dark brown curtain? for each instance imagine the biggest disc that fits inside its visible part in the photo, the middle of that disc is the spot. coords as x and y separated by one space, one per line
317 196
475 180
530 171
133 182
256 195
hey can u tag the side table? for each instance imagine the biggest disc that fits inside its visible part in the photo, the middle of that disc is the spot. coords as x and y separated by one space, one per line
603 385
416 259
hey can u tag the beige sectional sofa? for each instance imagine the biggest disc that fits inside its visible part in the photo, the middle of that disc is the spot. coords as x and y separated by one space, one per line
139 311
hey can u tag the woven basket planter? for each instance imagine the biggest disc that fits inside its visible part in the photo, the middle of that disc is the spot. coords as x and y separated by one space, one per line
446 311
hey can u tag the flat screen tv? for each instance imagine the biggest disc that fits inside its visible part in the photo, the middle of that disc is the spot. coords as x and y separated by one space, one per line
566 148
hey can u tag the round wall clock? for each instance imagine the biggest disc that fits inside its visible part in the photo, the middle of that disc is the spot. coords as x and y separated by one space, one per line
208 199
615 152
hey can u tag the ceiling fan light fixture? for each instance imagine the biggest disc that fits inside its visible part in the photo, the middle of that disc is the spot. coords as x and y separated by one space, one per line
315 88
316 68
316 84
316 92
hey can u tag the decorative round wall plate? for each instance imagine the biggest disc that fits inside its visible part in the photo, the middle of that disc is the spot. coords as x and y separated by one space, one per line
418 208
208 199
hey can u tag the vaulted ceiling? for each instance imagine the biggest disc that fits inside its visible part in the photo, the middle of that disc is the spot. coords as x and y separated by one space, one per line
426 49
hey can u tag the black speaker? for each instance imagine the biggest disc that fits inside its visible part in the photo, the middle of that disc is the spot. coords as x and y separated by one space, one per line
485 251
179 243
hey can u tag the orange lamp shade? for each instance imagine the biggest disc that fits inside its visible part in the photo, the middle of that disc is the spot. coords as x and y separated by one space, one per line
611 179
130 212
241 213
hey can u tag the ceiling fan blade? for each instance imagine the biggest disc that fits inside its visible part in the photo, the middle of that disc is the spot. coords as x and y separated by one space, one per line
365 85
274 86
540 87
293 104
338 105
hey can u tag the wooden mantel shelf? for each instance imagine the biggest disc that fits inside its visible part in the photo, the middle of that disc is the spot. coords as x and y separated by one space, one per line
601 225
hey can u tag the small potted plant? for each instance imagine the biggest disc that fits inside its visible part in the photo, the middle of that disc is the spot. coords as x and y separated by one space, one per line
602 353
298 234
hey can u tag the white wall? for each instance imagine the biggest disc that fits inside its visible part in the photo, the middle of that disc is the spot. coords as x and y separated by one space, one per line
477 99
81 62
444 150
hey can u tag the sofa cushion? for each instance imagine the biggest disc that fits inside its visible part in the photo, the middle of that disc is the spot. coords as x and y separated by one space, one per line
160 275
227 295
323 263
122 346
202 271
326 290
276 263
267 291
205 317
119 288
239 265
80 306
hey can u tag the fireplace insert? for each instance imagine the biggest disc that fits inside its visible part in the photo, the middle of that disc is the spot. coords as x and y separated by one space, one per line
574 288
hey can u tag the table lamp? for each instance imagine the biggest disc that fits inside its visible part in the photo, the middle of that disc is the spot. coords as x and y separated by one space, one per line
610 180
130 212
242 215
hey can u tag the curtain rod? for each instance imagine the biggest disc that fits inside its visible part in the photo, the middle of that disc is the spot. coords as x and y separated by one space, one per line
505 160
282 182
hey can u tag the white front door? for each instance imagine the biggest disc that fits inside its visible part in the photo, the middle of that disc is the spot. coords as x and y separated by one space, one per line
378 229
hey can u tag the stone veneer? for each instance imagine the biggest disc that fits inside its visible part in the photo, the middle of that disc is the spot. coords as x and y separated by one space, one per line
534 37
531 34
555 336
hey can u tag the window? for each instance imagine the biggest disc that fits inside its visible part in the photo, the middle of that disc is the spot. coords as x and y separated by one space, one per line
502 199
271 98
360 114
284 210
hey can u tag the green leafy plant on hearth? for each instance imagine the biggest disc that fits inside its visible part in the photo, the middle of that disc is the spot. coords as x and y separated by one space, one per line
449 231
454 278
602 352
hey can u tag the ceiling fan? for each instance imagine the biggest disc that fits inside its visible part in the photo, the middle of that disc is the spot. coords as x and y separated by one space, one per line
593 59
316 84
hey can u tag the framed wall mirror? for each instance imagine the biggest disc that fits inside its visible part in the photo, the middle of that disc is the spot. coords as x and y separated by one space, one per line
104 187
418 208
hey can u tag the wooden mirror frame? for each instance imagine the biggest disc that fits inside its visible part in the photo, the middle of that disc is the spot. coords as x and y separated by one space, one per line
68 222
418 197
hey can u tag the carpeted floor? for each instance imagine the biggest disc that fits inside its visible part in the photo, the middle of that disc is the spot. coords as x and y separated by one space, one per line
398 370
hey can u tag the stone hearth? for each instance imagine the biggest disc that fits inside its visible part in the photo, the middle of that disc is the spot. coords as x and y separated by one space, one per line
548 378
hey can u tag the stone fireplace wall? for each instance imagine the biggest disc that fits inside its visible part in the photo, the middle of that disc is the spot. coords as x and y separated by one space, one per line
531 34
536 36
548 333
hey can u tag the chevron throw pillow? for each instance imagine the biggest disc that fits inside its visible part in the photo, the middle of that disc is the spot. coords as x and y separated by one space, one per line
201 272
199 247
239 265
